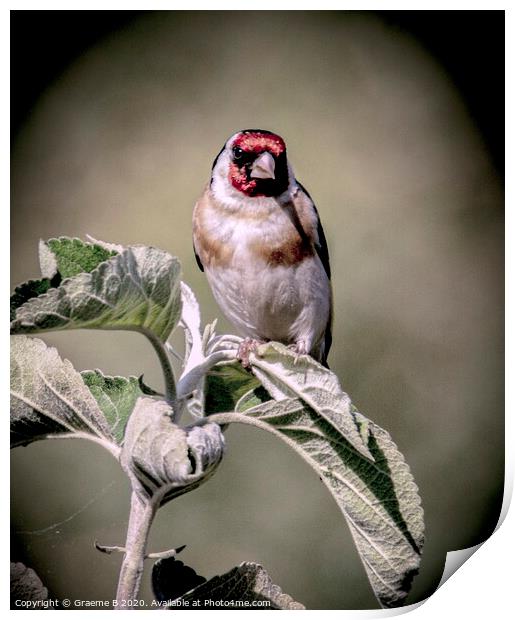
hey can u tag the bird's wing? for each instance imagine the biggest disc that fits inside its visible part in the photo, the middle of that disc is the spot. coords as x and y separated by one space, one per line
197 258
323 253
321 244
196 225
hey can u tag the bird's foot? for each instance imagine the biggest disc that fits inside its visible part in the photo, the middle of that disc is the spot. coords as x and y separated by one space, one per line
247 346
299 348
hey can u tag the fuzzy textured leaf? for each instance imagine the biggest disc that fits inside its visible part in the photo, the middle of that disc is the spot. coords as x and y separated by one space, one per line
116 397
227 384
190 321
244 584
26 291
285 375
171 578
26 585
138 290
69 257
239 588
48 396
116 248
164 460
378 499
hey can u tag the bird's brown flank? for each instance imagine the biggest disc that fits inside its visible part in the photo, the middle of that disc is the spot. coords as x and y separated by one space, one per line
295 245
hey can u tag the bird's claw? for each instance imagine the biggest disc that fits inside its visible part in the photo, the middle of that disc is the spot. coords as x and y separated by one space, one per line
247 346
300 350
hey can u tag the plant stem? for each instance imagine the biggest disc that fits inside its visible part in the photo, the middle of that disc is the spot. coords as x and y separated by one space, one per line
110 447
140 520
166 365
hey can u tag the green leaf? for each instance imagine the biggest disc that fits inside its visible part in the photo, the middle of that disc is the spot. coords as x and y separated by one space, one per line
137 290
69 257
116 397
285 375
378 499
116 248
48 397
226 384
243 586
164 460
26 291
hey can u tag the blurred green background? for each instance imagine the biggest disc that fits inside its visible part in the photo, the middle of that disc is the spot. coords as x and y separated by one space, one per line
120 146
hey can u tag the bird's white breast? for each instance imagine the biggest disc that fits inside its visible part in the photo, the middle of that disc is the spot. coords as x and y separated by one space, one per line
269 302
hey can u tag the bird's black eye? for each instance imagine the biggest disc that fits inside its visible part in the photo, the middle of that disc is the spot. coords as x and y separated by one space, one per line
237 153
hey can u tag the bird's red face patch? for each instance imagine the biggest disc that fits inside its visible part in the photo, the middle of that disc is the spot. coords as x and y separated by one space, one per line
257 142
240 181
251 144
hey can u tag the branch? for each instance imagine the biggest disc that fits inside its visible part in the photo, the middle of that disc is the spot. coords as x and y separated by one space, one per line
140 520
110 447
164 360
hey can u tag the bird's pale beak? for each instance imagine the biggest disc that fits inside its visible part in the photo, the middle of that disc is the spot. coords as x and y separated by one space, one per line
263 167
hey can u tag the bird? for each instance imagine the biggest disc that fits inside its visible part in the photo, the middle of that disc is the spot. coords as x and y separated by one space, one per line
257 236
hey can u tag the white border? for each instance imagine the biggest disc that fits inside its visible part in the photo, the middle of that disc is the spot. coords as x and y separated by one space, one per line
483 585
263 5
